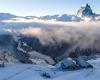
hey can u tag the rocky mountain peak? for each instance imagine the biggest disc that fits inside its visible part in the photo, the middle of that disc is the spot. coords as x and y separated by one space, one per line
85 11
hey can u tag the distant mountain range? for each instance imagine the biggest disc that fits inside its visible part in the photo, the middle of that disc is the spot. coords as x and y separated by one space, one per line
84 13
4 16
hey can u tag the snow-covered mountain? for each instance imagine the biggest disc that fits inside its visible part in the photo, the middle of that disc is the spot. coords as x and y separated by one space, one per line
5 16
84 13
64 18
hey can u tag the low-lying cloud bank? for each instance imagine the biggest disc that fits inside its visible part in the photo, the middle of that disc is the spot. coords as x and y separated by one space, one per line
79 35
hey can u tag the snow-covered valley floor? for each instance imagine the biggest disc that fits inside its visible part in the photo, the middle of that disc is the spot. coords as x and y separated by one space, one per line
35 72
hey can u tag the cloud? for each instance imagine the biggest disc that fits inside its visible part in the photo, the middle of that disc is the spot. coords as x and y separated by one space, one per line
79 34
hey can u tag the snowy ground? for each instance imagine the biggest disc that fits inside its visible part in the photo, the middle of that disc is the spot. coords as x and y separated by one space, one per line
34 72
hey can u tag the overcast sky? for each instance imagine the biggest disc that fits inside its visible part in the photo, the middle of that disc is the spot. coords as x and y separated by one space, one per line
45 7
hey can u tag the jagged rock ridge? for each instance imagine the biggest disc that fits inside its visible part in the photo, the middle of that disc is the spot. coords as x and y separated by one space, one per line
85 11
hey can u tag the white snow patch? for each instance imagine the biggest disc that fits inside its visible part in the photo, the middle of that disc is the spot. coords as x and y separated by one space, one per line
31 71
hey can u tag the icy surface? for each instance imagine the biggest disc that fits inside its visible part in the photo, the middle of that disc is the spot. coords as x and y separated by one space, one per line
31 71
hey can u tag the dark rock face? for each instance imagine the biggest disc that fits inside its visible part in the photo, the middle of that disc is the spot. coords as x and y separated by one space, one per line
85 11
66 64
2 64
73 64
9 46
53 50
84 52
6 40
82 63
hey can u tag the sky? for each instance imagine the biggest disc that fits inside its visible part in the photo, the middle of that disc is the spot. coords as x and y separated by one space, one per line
45 7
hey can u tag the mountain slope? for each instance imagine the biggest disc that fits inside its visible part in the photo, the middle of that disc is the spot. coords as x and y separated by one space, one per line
38 72
4 16
85 11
